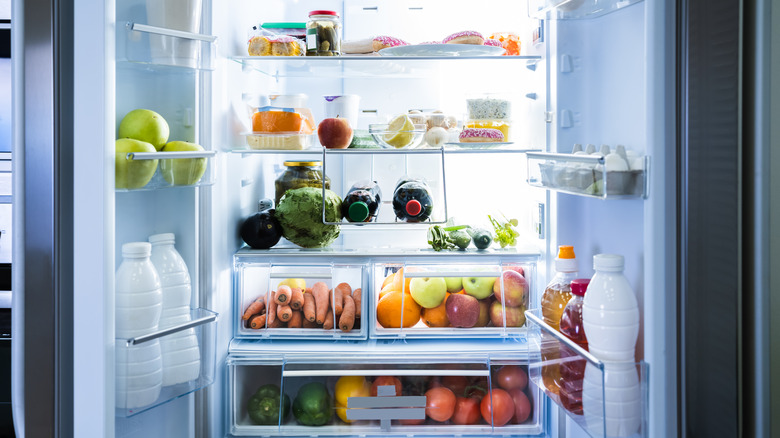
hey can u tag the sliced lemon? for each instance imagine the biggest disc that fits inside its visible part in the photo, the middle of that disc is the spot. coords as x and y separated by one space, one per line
399 131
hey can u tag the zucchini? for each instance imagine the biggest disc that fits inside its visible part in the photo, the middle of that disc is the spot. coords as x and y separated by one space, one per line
481 237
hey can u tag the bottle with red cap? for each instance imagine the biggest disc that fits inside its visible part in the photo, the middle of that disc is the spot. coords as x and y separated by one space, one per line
573 371
361 203
412 201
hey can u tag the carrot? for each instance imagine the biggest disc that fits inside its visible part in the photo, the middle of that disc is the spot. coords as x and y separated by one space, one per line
320 292
341 291
257 321
284 312
307 291
256 307
276 324
309 324
328 323
347 319
271 304
296 319
356 296
296 298
283 294
308 307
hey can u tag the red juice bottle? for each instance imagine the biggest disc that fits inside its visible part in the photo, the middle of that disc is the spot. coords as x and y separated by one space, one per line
572 372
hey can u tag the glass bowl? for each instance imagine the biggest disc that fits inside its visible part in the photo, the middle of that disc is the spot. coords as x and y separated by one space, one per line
397 139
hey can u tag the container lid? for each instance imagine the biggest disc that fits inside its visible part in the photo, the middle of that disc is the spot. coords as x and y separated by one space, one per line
137 249
302 163
579 286
358 211
413 207
162 238
323 12
608 262
566 262
283 25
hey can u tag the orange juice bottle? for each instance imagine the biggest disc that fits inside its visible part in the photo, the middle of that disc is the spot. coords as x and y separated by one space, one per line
554 299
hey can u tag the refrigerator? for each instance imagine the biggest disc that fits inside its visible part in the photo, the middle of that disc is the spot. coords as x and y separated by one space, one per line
594 72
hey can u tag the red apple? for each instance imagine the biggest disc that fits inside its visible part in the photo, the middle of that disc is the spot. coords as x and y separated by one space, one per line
335 133
515 316
515 289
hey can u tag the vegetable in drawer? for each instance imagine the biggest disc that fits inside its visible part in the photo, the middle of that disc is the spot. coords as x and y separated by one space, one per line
264 405
313 405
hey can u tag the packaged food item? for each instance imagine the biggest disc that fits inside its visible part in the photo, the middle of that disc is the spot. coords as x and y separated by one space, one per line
554 299
300 174
323 34
370 45
504 126
295 30
281 128
508 40
481 135
412 200
573 370
362 201
274 45
488 108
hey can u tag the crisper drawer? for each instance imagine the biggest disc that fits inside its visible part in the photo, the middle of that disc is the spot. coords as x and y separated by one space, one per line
351 395
299 300
452 298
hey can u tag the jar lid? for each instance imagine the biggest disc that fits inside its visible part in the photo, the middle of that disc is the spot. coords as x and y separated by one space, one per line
323 13
302 163
283 25
579 286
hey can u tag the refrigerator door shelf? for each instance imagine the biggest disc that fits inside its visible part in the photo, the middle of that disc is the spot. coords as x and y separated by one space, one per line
139 361
607 399
174 169
367 405
258 281
574 9
588 175
157 46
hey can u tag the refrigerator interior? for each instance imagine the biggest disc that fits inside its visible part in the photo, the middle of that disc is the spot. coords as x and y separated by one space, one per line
588 85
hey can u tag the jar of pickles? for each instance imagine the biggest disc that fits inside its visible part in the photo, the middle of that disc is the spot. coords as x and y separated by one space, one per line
323 34
300 174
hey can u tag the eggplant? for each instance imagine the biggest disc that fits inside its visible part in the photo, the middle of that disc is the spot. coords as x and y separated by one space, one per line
261 230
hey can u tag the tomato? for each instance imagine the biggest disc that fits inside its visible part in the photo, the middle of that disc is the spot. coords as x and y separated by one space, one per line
412 422
497 407
346 387
386 381
457 384
466 411
440 403
511 377
522 405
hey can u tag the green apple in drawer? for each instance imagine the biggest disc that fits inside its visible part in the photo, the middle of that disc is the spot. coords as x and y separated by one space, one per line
478 287
428 292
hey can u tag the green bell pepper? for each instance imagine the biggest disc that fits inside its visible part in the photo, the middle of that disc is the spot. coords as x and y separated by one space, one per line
313 405
264 405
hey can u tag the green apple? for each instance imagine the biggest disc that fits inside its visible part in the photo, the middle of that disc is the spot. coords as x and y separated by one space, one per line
182 171
145 125
478 287
454 284
428 292
133 174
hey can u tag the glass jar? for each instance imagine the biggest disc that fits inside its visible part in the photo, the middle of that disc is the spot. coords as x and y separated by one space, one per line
300 174
323 34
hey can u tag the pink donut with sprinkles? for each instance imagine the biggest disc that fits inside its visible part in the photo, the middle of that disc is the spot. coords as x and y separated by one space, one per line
481 135
465 37
491 42
383 42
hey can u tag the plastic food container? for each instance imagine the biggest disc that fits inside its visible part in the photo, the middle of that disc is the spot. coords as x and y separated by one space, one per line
503 125
281 128
292 141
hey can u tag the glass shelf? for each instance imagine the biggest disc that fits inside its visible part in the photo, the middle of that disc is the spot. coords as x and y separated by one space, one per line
316 150
372 66
607 399
575 9
175 169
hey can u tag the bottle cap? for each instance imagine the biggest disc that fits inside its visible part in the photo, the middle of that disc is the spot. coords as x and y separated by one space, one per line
608 262
566 261
161 238
322 12
579 286
358 211
413 207
136 249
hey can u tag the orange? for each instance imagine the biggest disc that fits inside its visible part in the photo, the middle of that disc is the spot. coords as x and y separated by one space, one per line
389 311
437 316
398 280
388 280
385 290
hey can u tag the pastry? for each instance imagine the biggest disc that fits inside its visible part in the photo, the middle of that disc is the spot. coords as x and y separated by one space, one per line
369 45
465 37
489 42
481 135
280 45
509 41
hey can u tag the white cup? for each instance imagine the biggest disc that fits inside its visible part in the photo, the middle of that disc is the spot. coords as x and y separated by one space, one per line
345 106
181 15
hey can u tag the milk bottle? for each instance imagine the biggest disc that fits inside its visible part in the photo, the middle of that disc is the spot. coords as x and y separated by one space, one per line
138 308
180 351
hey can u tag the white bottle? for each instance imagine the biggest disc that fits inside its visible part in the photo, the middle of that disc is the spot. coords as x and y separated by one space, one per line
180 351
612 406
138 308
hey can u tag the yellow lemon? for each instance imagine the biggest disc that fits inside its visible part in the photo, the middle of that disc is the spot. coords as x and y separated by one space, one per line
300 283
399 131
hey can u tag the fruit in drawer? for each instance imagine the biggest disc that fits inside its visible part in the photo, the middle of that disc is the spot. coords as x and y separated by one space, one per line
346 387
145 125
522 405
479 287
497 407
396 309
515 316
454 284
300 283
386 381
466 411
514 291
182 171
313 406
133 174
484 312
428 292
436 316
335 133
439 403
512 377
263 405
462 310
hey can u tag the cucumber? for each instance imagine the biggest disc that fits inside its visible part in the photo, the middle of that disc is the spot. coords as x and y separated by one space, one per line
482 237
460 238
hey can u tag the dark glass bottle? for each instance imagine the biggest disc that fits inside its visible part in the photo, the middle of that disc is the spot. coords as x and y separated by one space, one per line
361 203
412 200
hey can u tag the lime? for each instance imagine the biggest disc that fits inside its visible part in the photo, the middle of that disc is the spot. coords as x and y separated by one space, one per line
399 132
